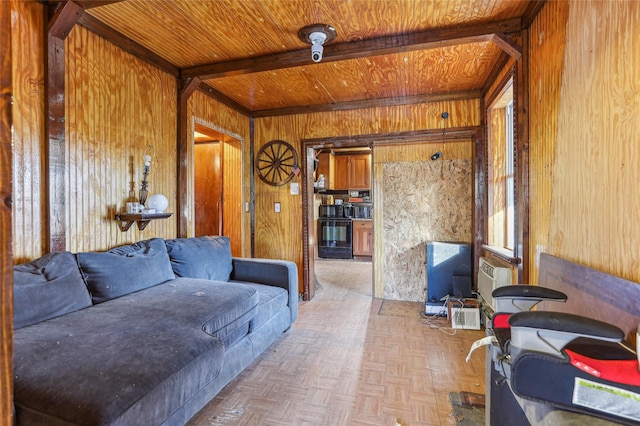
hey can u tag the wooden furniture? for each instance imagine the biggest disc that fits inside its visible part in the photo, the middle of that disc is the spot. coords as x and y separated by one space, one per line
125 220
353 171
327 167
362 238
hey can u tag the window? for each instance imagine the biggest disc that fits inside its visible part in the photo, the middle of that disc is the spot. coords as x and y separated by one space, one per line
510 237
501 171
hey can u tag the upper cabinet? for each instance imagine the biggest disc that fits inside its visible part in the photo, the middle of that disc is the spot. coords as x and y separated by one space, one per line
327 168
352 171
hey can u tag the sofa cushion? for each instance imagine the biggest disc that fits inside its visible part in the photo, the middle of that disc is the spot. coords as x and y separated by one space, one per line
125 269
202 257
271 300
46 288
131 360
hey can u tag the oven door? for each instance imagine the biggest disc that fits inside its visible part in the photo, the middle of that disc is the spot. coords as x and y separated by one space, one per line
334 238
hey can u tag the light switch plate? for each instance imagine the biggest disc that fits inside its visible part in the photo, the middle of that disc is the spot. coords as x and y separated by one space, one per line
294 189
276 207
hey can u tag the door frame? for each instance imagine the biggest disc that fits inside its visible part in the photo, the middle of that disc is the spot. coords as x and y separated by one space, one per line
227 136
473 133
309 241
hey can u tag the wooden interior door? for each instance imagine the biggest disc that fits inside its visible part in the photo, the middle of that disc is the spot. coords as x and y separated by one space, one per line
208 188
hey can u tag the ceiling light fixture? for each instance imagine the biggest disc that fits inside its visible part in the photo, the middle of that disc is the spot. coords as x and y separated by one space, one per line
317 35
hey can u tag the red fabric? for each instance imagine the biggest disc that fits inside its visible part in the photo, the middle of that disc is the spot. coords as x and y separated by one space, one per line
617 371
500 321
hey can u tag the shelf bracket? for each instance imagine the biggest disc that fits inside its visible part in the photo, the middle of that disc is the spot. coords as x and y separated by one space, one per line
125 220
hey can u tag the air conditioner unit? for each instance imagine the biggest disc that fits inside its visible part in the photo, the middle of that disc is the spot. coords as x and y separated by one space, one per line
491 275
466 318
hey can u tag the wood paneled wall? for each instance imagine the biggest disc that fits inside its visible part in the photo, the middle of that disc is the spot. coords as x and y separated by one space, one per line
232 197
595 205
546 49
279 235
29 184
117 108
211 113
585 67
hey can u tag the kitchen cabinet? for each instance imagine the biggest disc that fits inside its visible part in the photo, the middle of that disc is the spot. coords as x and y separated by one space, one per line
353 171
326 167
362 238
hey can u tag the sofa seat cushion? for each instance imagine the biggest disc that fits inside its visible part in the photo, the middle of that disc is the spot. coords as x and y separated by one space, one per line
46 288
202 257
132 360
125 269
272 300
231 307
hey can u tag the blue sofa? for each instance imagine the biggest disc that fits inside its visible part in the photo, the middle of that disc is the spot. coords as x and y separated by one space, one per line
144 334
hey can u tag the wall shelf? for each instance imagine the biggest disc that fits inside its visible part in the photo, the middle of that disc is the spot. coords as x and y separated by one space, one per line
125 220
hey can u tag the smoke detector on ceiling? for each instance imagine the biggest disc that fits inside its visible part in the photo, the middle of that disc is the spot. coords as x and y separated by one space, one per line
317 35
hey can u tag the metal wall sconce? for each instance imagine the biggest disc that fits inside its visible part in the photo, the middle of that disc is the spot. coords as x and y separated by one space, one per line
136 212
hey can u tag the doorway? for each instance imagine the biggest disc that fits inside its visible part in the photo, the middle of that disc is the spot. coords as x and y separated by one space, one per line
330 207
217 166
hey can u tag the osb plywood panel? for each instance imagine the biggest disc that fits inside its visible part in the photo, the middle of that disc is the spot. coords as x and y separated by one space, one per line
117 107
235 127
546 53
285 228
421 201
28 130
595 205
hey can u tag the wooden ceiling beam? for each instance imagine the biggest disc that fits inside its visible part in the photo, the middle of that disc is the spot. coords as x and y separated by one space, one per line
392 44
89 4
213 93
495 72
532 11
403 137
505 43
64 18
370 103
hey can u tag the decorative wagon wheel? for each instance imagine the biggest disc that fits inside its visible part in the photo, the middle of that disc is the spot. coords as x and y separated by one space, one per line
277 163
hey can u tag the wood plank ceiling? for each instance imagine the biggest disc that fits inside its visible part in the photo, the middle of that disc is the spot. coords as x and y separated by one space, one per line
247 52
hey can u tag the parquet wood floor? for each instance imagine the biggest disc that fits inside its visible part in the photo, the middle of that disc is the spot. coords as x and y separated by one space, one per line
343 364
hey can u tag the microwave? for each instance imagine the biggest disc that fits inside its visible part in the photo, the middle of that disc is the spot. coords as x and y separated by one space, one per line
363 211
331 210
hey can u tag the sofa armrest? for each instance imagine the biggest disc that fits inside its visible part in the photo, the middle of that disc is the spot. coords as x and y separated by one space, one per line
279 273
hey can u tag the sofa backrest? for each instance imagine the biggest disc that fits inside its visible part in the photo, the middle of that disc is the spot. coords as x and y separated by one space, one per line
59 283
207 257
125 269
47 288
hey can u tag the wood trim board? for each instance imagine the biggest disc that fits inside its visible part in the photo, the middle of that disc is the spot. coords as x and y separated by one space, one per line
592 294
